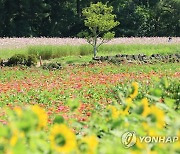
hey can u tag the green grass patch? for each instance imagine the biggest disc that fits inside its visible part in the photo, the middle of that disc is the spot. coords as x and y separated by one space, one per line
7 53
52 51
73 59
138 49
49 51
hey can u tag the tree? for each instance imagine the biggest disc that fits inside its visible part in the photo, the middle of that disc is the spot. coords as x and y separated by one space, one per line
100 20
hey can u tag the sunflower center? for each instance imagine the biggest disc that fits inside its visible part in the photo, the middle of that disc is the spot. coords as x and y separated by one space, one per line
140 110
152 117
60 140
83 147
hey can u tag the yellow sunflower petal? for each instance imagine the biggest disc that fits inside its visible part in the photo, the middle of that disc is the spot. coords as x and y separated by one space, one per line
69 138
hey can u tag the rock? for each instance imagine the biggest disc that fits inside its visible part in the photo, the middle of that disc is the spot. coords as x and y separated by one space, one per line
96 58
110 57
130 61
106 57
118 55
177 55
102 58
136 57
140 57
128 57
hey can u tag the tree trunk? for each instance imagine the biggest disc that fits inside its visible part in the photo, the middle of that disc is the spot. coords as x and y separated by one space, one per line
95 45
95 51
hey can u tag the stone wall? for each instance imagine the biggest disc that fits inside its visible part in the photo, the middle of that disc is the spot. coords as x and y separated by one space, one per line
140 58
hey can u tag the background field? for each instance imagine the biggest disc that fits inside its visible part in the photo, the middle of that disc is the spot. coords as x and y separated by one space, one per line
50 48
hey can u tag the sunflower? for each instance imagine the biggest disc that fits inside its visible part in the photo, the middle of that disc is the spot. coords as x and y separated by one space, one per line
157 115
89 144
135 92
126 110
146 108
114 112
128 100
42 116
18 111
62 138
140 145
145 126
177 143
14 138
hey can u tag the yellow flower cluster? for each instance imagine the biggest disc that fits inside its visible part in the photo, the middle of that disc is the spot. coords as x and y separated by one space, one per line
42 116
62 138
16 135
92 143
115 113
18 111
135 91
154 111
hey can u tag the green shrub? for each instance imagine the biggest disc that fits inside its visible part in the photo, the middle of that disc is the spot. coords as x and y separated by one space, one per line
20 59
31 60
52 66
17 59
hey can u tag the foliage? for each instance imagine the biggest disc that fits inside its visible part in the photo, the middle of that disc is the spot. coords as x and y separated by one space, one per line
65 51
132 107
100 20
17 59
31 60
21 59
28 18
52 66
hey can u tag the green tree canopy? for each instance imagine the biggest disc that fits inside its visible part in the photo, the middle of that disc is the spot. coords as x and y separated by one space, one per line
100 20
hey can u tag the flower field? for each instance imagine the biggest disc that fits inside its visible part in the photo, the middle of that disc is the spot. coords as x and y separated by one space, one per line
86 109
24 42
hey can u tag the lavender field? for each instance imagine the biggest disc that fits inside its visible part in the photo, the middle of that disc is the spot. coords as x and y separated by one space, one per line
24 42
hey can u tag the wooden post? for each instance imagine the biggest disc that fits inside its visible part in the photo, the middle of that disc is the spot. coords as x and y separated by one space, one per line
40 60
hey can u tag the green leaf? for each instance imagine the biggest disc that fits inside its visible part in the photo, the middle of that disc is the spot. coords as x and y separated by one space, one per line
58 119
169 102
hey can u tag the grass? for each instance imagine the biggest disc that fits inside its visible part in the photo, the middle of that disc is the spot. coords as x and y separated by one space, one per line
52 51
7 53
73 59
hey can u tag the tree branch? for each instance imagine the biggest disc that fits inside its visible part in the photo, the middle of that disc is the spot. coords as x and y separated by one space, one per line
102 42
89 41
